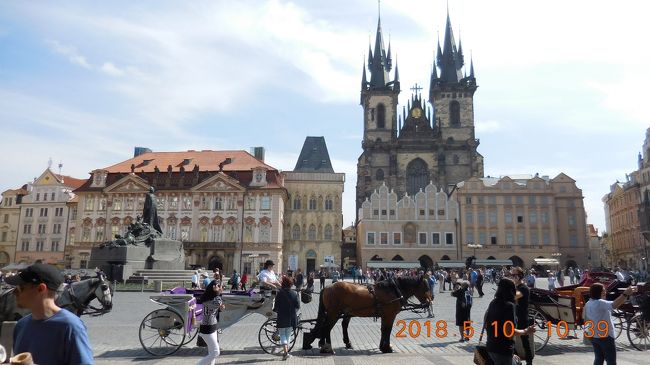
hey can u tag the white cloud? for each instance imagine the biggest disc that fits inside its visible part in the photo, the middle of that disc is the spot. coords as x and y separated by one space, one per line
111 69
70 52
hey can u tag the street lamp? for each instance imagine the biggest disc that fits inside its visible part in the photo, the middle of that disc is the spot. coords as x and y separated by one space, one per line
474 246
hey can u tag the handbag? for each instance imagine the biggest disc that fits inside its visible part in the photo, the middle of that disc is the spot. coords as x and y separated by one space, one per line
481 356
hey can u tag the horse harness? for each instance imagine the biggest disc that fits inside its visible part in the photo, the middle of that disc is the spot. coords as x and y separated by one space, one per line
377 304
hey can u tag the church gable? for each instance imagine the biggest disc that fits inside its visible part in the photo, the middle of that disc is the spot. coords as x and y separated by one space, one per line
47 178
129 184
219 183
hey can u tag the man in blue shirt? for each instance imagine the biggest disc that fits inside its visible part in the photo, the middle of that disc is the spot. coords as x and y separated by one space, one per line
52 335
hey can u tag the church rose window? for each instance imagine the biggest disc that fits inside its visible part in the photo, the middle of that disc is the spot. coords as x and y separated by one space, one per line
417 176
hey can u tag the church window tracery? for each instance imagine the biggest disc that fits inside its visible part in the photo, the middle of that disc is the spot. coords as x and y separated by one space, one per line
379 175
417 176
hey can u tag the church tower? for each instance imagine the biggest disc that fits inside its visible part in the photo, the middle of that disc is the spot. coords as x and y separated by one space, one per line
379 98
432 142
452 96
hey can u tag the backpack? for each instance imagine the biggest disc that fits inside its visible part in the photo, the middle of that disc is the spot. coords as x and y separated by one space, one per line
467 302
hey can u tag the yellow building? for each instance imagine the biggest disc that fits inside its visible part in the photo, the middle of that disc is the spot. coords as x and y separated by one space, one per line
9 223
313 214
529 220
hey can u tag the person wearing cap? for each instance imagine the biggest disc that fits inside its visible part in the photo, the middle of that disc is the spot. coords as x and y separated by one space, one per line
267 277
51 334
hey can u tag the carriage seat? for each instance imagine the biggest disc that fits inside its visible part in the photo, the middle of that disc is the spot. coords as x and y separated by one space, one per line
579 295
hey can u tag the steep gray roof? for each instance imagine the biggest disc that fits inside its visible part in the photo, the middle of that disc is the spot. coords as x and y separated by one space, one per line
314 156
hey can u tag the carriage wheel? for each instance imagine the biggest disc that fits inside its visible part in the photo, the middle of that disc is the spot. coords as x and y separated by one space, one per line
617 321
190 336
269 338
638 332
541 334
162 332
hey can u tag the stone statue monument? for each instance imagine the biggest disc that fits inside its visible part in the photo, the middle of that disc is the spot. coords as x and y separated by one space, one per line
141 247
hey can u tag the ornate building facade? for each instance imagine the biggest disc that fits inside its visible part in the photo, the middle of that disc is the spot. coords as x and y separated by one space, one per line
414 231
623 202
314 215
44 217
430 141
527 219
226 206
9 223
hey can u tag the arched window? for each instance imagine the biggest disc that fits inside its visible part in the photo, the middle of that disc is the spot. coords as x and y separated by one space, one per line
204 234
379 175
312 232
381 116
328 203
328 232
454 114
295 233
417 176
296 203
312 203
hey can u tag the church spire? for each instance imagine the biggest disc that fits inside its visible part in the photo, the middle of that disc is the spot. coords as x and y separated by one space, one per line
364 79
379 63
471 67
450 60
396 80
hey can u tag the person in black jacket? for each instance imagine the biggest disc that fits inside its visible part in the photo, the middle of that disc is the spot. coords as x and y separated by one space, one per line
286 306
517 275
463 307
500 320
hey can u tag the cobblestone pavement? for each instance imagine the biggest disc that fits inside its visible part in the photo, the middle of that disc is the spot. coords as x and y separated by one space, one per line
114 338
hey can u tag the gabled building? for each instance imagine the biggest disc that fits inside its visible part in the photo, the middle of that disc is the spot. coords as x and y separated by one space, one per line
226 206
44 217
314 213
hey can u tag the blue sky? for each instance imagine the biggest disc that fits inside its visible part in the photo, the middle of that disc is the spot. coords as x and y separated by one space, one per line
561 84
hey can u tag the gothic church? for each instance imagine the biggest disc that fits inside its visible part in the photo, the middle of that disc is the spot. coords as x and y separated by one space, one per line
431 140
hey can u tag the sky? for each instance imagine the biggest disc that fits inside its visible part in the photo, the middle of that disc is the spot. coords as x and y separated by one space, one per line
562 84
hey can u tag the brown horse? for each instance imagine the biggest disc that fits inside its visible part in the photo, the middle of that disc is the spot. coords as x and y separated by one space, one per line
346 300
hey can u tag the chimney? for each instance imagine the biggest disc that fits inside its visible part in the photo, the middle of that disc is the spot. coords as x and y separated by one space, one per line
137 151
258 153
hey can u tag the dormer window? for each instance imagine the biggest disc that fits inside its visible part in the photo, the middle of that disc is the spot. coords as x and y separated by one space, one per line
99 178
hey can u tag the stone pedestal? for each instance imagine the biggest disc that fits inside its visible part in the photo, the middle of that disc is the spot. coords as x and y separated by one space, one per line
120 262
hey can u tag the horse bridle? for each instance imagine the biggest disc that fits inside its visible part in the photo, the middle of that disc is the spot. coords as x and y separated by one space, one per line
94 311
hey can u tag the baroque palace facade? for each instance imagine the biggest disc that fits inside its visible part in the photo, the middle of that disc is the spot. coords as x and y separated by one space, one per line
226 206
313 212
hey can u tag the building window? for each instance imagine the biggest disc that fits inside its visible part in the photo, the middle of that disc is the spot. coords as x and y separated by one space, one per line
296 203
27 229
375 212
38 196
507 199
547 238
532 200
370 238
519 199
41 228
481 218
56 229
55 246
383 238
508 217
295 232
435 238
99 234
470 237
534 239
205 203
521 238
204 234
328 232
43 212
544 217
85 234
572 220
117 204
4 236
573 240
185 233
392 212
265 203
397 238
39 245
449 238
231 202
468 200
172 232
543 200
218 203
454 114
509 238
481 200
532 217
115 230
482 237
29 212
102 204
187 202
422 238
6 218
381 116
58 212
248 232
130 202
492 199
493 239
312 203
493 217
24 246
173 203
520 219
311 234
417 176
379 175
250 203
265 233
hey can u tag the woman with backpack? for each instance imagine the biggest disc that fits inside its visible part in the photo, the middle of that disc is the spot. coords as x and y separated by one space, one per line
212 303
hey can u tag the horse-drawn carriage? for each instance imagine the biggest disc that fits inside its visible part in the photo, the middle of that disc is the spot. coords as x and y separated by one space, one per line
163 331
560 311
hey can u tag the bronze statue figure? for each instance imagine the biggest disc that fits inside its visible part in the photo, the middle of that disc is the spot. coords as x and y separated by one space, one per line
150 213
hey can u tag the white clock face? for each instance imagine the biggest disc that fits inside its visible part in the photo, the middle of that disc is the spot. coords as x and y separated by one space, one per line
258 176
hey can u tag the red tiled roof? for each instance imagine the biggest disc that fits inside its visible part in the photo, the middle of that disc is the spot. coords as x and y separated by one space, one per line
71 181
207 160
20 191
